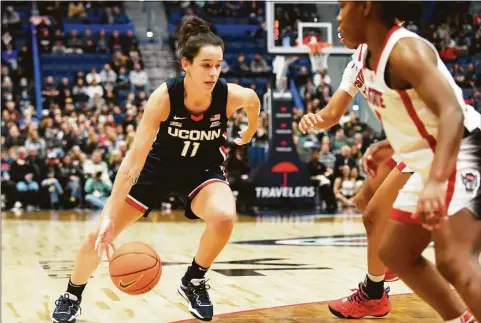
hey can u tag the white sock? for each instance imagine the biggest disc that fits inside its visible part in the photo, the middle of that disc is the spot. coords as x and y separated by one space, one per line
72 296
375 279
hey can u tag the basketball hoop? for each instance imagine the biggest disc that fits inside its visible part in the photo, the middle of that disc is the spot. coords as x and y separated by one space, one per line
317 56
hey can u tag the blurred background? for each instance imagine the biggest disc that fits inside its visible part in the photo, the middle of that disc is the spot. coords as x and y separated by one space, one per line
76 75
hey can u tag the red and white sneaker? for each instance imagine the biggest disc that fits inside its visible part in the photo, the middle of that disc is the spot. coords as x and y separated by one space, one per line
389 276
359 305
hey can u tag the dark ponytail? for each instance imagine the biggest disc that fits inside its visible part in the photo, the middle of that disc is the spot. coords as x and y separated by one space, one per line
193 34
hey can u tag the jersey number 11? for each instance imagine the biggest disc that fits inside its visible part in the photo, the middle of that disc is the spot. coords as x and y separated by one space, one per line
187 146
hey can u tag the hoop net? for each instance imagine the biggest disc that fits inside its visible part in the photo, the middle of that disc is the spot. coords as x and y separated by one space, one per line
317 56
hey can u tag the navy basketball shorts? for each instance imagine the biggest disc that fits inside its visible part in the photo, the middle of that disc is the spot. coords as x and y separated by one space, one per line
153 185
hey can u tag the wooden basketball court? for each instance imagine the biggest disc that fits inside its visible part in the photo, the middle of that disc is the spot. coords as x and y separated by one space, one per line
276 269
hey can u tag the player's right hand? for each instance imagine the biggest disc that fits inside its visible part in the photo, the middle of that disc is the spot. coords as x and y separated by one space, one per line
308 122
105 238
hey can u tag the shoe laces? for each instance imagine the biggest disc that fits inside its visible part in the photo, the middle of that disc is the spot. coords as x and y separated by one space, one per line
200 292
64 303
359 294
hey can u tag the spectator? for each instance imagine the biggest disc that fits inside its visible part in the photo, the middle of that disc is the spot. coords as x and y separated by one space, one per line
129 42
340 140
34 141
94 89
44 42
97 189
23 174
102 42
321 177
10 56
59 48
55 190
93 75
134 58
114 42
107 75
358 179
241 65
95 164
70 177
119 61
88 41
14 138
123 78
75 45
259 65
345 187
343 159
326 157
138 79
11 18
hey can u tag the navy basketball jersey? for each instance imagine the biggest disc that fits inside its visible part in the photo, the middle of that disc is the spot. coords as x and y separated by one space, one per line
186 141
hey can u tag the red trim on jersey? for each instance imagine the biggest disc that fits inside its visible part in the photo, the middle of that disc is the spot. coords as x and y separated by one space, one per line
430 139
404 217
391 163
417 121
197 118
360 53
201 186
401 166
134 203
391 31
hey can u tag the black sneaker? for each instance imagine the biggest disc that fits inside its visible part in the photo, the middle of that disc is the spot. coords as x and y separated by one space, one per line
66 310
198 298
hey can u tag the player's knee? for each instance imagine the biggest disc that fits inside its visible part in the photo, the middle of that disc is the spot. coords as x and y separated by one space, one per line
448 265
224 218
368 219
388 256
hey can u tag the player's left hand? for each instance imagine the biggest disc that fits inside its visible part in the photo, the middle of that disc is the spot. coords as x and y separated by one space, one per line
245 136
431 208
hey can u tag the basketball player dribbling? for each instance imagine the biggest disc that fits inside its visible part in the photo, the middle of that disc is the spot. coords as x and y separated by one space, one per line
422 112
374 200
178 148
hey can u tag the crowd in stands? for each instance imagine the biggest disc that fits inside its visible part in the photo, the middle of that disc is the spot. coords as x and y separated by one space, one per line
68 156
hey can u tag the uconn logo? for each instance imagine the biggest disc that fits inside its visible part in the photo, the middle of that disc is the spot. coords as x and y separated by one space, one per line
194 134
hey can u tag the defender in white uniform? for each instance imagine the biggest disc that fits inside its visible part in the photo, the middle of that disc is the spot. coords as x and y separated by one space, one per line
422 112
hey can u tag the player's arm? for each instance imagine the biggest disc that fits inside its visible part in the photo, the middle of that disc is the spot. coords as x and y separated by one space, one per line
242 98
416 63
337 106
156 110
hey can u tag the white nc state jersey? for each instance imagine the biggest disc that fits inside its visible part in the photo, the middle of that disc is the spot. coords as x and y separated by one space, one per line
353 81
412 129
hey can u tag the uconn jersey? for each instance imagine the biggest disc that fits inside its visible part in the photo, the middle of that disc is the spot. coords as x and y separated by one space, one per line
187 141
187 154
412 129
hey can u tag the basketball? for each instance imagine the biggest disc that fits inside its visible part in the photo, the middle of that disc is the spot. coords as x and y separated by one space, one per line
135 268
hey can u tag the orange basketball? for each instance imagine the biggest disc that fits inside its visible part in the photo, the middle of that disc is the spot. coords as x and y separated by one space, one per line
135 268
